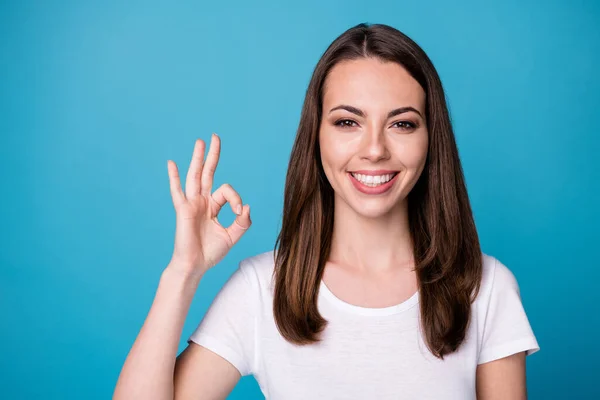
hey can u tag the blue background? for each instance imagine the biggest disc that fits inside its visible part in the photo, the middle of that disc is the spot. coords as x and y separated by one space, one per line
95 97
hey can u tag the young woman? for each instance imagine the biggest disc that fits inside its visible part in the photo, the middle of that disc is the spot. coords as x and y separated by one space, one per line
377 287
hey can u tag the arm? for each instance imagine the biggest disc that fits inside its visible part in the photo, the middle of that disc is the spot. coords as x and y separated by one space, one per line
502 379
152 371
201 374
506 340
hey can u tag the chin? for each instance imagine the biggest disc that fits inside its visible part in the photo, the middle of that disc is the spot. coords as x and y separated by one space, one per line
373 209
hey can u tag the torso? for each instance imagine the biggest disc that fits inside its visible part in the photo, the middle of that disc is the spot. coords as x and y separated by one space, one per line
372 347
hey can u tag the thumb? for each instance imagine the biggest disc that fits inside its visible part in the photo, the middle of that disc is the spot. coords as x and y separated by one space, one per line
240 225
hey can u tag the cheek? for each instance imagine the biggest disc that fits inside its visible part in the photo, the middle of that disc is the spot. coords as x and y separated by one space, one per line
413 153
335 152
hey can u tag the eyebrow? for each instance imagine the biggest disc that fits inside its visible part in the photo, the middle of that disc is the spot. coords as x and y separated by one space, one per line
362 114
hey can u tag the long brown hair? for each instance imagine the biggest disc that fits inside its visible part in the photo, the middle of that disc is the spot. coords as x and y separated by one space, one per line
447 253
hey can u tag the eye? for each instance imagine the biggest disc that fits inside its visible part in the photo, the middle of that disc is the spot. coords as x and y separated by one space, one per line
345 123
405 125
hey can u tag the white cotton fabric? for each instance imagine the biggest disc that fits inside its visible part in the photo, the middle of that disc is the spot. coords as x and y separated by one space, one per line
366 353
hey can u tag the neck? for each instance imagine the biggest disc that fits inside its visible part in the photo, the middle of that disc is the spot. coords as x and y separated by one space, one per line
366 244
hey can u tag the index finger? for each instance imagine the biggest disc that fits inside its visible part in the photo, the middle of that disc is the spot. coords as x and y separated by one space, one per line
210 165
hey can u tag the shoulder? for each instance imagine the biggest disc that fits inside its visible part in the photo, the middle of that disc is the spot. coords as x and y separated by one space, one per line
496 278
259 268
495 273
503 327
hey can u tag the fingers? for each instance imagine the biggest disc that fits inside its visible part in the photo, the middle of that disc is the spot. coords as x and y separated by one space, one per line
240 225
192 182
212 159
175 184
226 194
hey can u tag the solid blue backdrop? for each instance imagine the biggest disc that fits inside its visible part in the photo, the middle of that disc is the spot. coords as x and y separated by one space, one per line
95 97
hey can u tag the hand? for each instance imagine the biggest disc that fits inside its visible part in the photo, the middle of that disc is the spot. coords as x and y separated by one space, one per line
200 240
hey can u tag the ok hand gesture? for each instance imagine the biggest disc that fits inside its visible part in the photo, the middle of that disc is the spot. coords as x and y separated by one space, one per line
200 240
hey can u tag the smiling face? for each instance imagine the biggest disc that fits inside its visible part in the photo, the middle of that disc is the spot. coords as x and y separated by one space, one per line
373 134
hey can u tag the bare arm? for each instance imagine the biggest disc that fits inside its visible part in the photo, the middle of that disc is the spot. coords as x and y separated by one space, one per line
152 370
201 374
148 369
502 379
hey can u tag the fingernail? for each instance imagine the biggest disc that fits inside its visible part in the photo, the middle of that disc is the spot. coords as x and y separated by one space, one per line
238 210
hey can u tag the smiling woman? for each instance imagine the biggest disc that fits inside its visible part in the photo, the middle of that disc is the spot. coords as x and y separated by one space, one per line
377 286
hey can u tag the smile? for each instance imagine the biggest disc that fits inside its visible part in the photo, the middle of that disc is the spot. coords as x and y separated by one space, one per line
373 184
373 180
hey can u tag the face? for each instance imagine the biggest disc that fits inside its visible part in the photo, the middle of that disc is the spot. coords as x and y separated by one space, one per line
373 135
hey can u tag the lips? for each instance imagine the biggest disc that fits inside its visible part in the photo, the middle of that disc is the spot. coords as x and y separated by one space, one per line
373 190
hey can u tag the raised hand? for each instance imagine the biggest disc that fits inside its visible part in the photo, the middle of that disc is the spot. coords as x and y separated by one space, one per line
200 240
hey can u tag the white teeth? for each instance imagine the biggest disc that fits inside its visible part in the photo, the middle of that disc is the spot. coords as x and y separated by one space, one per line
371 180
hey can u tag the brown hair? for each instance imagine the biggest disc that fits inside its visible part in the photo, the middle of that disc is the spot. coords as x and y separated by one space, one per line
447 253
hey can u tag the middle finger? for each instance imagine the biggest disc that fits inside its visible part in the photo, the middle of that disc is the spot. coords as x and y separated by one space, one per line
212 159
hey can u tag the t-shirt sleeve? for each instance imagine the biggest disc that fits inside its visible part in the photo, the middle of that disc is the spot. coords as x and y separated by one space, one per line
228 327
506 328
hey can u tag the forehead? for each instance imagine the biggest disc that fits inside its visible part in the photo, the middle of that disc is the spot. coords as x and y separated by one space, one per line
370 83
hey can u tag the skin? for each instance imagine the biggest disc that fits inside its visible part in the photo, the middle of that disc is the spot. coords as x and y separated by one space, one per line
371 260
504 378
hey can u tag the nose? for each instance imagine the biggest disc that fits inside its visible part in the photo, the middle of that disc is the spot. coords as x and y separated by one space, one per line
375 148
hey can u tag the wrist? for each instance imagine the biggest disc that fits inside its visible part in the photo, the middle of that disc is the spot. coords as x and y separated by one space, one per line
183 271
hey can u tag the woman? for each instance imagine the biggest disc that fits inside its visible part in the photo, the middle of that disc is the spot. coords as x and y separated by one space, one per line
377 287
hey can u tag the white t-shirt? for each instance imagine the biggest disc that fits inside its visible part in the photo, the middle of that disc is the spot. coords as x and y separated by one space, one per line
366 353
